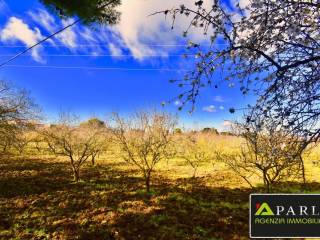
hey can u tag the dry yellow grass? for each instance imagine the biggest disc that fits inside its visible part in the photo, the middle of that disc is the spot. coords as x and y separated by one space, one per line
39 199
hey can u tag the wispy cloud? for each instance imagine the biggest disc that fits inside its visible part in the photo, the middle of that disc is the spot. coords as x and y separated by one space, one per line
136 33
221 107
115 50
218 99
210 109
4 8
68 37
43 18
48 22
17 30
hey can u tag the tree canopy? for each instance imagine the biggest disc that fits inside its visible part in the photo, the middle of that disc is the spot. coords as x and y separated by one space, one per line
89 11
94 122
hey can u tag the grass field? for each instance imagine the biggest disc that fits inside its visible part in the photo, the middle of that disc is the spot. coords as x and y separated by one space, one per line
38 200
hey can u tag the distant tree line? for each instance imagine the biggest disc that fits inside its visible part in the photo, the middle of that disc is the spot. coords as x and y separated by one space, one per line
211 130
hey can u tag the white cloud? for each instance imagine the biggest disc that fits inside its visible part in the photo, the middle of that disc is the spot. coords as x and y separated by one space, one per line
68 37
17 30
88 35
43 18
244 3
115 50
48 22
210 109
218 99
227 123
137 30
221 107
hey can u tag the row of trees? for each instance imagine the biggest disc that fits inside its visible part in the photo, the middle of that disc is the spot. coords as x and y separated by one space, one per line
267 151
148 138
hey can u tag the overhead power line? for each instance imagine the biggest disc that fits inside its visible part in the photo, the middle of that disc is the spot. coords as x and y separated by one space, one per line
99 68
106 45
105 55
50 36
38 43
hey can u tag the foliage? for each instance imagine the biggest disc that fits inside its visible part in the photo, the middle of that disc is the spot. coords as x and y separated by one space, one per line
94 122
210 130
90 11
178 131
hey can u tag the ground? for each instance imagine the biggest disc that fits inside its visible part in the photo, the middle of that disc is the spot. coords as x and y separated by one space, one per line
38 200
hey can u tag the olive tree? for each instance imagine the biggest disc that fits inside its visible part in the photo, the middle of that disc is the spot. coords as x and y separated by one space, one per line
144 140
70 140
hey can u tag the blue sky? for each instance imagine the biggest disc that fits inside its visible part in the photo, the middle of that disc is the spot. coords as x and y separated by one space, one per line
93 72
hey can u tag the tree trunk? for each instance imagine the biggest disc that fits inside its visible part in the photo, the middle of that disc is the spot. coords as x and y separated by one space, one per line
303 171
194 172
38 148
268 186
5 148
247 181
76 175
147 179
93 160
266 182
